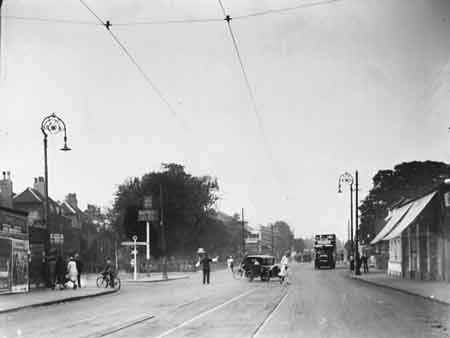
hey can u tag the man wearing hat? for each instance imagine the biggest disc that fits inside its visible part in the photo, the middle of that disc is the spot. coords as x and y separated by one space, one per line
205 261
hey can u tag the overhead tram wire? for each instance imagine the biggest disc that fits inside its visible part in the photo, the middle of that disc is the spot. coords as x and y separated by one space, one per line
266 144
49 20
149 81
167 22
283 10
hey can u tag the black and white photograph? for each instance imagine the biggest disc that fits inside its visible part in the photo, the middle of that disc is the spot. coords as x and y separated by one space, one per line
225 168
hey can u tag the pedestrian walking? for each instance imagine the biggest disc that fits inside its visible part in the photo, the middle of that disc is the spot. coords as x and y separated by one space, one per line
284 269
364 260
205 261
60 272
79 264
72 273
51 266
230 263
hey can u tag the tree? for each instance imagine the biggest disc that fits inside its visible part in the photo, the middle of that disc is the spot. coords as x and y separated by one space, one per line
408 180
299 244
188 212
284 237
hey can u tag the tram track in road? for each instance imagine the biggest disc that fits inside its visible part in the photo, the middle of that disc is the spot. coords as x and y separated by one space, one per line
258 325
269 316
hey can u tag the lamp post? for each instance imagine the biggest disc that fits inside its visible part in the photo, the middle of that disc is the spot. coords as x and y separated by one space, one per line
347 178
51 125
357 266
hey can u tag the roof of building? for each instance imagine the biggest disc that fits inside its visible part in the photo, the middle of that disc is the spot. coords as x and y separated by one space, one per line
402 216
15 211
30 195
413 212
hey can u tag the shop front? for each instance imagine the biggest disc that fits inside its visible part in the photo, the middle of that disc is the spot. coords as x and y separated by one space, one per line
14 251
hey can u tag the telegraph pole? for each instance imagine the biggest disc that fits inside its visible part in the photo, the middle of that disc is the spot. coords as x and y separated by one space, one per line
1 49
351 222
243 233
163 235
273 247
357 266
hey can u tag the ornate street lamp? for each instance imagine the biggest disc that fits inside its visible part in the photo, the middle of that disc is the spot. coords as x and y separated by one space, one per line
51 125
347 178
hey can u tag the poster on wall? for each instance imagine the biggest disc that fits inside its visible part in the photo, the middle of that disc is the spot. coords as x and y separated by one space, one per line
19 265
5 264
447 199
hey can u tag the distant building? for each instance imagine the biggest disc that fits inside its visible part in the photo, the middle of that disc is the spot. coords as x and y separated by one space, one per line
43 236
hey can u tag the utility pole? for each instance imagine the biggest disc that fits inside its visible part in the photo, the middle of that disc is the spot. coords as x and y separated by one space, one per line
163 235
1 42
243 233
273 247
351 222
357 266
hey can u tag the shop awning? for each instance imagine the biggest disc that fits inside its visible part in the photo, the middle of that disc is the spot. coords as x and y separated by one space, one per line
415 210
397 215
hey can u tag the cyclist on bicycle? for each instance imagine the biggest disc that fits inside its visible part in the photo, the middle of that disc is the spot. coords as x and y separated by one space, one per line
109 271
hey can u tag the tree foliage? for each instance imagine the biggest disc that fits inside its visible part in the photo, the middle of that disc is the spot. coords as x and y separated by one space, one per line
406 181
284 238
187 204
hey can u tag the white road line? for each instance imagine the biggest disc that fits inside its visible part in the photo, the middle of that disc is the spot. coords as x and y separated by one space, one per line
261 327
204 314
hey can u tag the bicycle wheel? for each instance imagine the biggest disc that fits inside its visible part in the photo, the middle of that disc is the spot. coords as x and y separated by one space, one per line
101 282
117 283
238 274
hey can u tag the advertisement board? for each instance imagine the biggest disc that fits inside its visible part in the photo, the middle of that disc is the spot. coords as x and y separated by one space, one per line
447 199
19 264
5 263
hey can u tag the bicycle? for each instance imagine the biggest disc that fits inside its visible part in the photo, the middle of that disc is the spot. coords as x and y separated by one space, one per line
239 273
103 281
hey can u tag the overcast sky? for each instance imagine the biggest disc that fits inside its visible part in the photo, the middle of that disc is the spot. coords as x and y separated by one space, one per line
355 84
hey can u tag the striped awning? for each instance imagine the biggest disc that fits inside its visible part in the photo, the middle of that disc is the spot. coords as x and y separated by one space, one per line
397 216
416 208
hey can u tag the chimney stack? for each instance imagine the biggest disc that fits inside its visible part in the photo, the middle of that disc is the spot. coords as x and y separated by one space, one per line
72 199
6 191
39 185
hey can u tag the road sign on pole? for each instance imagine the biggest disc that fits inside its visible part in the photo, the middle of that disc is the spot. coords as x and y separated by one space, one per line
132 243
147 215
148 202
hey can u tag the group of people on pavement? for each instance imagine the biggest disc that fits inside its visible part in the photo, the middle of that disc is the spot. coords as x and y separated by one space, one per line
205 262
363 261
63 273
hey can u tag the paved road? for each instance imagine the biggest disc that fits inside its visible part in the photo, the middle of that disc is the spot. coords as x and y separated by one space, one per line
321 303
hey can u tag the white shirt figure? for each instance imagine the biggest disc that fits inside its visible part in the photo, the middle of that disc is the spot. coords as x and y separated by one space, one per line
284 268
230 262
72 270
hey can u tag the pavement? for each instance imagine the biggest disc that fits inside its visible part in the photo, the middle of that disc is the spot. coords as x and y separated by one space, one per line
316 304
11 302
438 291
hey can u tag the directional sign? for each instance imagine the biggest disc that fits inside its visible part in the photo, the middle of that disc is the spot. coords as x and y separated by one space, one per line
148 215
148 202
132 243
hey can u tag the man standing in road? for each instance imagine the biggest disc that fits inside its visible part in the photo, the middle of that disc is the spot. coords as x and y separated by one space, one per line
205 262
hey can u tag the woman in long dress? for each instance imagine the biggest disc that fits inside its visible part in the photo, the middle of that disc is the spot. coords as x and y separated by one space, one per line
284 268
72 272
